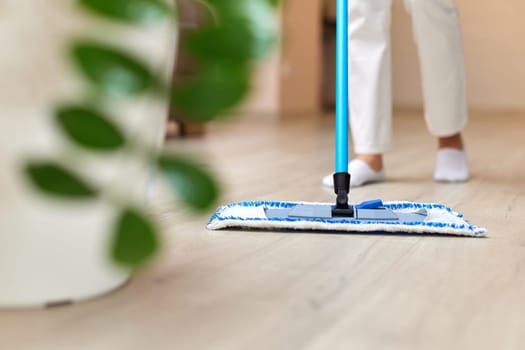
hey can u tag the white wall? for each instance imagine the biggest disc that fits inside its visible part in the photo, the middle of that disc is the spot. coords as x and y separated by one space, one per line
263 99
494 34
264 96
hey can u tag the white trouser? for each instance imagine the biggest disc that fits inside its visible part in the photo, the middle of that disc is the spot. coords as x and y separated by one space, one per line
437 33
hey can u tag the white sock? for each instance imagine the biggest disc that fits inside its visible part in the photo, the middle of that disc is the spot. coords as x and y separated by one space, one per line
451 166
361 174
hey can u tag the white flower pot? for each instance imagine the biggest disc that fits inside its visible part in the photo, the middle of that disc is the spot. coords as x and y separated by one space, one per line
54 251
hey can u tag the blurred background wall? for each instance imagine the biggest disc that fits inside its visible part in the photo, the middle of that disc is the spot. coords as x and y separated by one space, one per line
300 77
494 40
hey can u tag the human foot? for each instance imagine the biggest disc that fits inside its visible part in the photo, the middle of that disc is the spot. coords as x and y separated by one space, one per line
451 165
361 172
451 160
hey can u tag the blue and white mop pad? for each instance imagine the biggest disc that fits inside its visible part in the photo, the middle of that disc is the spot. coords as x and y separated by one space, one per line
392 217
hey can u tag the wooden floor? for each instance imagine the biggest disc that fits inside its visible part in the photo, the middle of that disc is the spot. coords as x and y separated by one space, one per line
263 290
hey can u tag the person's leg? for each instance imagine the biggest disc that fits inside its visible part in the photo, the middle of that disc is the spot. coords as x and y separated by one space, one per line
437 32
370 88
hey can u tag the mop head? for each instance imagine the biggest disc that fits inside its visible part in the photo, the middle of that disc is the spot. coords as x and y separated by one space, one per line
436 219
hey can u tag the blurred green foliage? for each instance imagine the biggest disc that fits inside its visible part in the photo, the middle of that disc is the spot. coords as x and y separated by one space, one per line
191 181
113 71
54 179
89 128
135 239
235 34
134 11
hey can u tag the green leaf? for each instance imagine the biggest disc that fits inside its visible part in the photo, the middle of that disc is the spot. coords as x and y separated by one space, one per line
111 70
244 30
135 239
53 179
89 128
194 185
133 11
214 90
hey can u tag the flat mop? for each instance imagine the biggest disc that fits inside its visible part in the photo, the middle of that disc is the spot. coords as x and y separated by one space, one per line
370 216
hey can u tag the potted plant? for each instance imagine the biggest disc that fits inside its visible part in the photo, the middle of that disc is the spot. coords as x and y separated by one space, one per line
82 130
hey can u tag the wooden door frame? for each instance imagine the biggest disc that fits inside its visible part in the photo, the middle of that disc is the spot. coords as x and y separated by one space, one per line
301 57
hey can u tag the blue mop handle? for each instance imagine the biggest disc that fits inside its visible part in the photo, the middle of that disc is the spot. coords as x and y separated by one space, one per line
341 100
